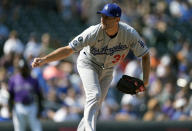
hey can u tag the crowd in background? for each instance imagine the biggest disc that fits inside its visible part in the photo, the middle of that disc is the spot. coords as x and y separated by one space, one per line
165 26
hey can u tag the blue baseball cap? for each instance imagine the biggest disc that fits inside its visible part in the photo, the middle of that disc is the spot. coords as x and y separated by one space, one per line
111 9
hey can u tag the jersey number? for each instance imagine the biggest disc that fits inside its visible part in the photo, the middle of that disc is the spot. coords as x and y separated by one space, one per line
117 58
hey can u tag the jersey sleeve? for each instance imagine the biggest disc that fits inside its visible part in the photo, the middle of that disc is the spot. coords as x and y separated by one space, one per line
138 47
84 39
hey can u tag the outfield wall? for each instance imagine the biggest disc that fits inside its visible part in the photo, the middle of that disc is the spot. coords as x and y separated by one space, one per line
112 126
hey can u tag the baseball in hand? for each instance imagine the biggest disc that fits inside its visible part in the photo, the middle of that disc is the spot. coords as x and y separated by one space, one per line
37 62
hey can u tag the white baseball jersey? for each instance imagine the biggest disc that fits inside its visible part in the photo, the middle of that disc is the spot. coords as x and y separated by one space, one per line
99 54
107 52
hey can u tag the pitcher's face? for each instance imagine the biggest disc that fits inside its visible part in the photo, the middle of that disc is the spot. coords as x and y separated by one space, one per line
109 23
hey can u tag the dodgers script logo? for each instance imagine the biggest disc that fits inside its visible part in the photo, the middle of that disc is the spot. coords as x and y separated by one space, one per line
108 51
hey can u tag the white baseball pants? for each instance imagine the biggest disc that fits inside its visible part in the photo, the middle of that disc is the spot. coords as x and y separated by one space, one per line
23 115
96 83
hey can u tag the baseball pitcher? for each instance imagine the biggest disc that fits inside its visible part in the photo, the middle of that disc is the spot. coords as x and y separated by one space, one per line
101 47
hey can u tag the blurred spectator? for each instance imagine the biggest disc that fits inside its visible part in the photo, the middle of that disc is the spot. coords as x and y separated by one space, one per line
52 75
108 110
22 88
184 55
154 58
88 10
4 96
32 48
181 10
63 114
66 8
7 61
51 72
4 32
70 77
133 68
37 73
166 93
45 44
13 44
188 108
155 88
153 111
179 105
164 70
73 100
168 109
137 102
127 112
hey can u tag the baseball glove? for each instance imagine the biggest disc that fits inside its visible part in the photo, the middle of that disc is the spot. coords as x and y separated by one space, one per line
130 85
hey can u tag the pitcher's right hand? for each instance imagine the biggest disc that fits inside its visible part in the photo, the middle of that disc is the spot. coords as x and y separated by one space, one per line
37 62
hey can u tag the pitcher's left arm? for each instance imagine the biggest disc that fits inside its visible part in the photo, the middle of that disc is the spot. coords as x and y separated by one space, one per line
146 68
